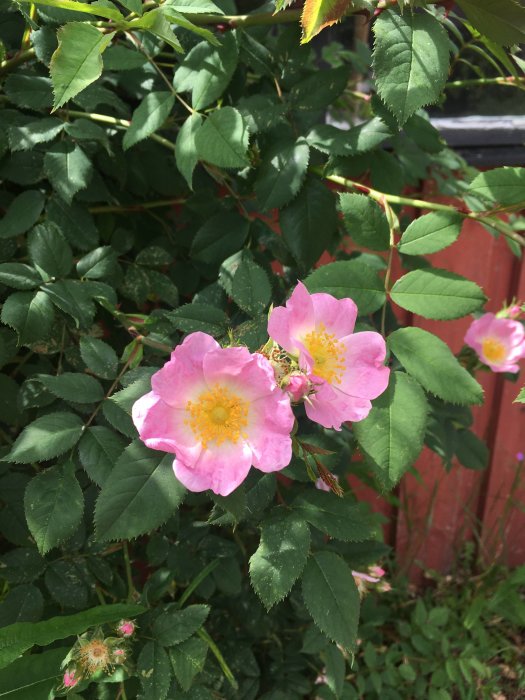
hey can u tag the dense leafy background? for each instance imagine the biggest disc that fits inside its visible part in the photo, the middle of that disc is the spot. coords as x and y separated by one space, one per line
165 173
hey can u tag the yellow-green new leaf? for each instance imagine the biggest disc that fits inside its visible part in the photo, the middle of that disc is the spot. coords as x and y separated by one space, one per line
319 14
77 62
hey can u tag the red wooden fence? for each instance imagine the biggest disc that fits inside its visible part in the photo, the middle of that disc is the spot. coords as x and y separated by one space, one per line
438 512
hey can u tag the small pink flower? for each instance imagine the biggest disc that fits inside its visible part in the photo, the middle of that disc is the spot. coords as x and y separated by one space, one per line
323 486
514 311
220 411
376 571
70 680
365 577
499 342
297 386
126 628
345 368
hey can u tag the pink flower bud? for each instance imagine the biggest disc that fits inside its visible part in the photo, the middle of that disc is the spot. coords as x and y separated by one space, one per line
297 386
384 587
323 486
514 311
126 628
376 571
119 656
70 681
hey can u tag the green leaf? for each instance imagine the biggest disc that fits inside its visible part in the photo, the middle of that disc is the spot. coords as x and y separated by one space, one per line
70 297
121 58
319 14
75 222
19 276
22 565
430 233
503 21
187 660
149 116
260 112
23 212
251 288
154 671
223 139
32 677
437 294
282 172
139 495
309 222
73 386
348 142
280 557
349 278
49 251
54 505
472 452
175 626
500 186
29 91
17 638
77 62
411 60
31 314
157 24
314 94
68 168
207 71
221 236
365 221
24 137
186 155
23 603
199 317
99 357
336 517
99 263
520 398
429 360
98 450
391 437
331 597
47 437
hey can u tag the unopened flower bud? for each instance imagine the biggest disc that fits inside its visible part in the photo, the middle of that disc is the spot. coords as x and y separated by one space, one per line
297 386
376 571
126 628
70 680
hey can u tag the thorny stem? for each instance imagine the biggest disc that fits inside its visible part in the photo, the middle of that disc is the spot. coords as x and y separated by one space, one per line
381 197
21 57
508 80
116 208
392 225
129 577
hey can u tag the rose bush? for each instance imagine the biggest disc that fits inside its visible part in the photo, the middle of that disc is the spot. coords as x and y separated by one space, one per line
196 278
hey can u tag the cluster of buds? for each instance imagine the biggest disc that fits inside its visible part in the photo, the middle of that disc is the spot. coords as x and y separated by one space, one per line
373 576
514 310
93 653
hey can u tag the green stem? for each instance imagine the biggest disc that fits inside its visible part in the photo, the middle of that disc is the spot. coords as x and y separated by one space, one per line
111 208
220 658
263 18
21 57
129 577
197 581
422 204
99 10
509 81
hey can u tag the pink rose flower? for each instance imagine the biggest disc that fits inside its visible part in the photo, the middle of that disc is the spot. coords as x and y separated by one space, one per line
220 411
297 386
499 342
346 368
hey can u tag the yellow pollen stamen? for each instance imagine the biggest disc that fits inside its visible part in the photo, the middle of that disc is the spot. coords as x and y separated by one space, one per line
327 353
494 350
95 656
217 415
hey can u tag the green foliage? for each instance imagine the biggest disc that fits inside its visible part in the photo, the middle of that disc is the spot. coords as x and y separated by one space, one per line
163 175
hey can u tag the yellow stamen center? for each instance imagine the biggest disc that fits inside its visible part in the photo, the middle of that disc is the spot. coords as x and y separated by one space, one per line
494 350
218 415
94 655
327 353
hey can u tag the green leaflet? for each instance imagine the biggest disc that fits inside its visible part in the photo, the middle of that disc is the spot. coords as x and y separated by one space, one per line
22 213
175 626
140 494
46 437
49 251
223 139
154 671
430 233
429 360
349 278
99 357
54 504
31 314
251 288
185 148
73 386
336 517
17 638
32 677
149 116
282 173
503 21
280 557
392 435
411 60
365 221
68 168
187 660
501 186
437 294
331 597
78 60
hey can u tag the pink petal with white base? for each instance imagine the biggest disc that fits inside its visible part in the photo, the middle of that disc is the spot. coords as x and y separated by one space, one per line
221 469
